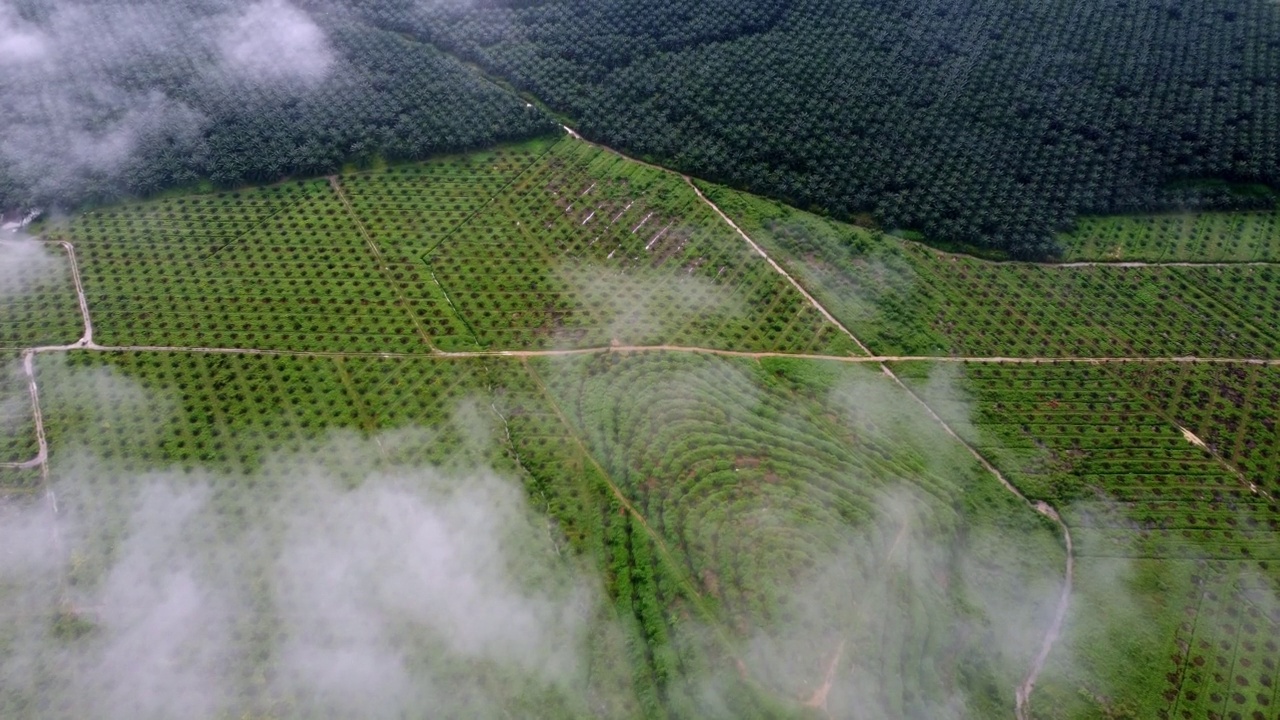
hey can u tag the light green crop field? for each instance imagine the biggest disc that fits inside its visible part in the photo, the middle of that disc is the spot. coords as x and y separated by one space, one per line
545 245
1176 607
1219 237
656 479
37 299
903 298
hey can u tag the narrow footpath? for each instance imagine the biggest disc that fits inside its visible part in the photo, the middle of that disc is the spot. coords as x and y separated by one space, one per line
1022 693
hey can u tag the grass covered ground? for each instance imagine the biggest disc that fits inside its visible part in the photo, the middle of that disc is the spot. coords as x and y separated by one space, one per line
1229 237
904 298
550 244
695 535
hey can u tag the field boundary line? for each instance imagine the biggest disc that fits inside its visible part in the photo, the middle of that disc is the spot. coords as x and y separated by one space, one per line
437 354
1022 694
448 300
760 251
241 236
947 254
425 257
1078 264
1191 637
1139 263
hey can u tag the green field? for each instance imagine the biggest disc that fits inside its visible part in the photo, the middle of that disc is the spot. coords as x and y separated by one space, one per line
1176 552
552 244
1219 237
771 471
566 365
904 298
38 299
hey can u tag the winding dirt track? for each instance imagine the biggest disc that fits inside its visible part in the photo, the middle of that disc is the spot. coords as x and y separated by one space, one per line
1022 693
1052 632
87 338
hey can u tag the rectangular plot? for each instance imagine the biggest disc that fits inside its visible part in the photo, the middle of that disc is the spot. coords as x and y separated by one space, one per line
39 298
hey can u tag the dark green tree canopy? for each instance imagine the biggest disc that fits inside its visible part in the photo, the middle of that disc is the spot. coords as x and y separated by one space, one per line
985 122
977 121
104 98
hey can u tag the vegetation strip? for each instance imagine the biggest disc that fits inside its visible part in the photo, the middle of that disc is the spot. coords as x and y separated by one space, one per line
657 539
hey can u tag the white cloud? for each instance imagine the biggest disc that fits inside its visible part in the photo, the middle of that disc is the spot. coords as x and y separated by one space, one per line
19 42
272 41
24 264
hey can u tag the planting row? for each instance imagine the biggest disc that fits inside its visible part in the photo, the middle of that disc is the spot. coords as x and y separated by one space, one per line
1178 237
1228 646
797 495
585 248
37 296
406 208
905 298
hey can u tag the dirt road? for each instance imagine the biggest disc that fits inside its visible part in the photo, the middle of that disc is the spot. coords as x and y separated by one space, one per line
1051 632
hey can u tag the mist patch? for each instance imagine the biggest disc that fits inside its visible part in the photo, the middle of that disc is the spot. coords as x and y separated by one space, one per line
274 42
